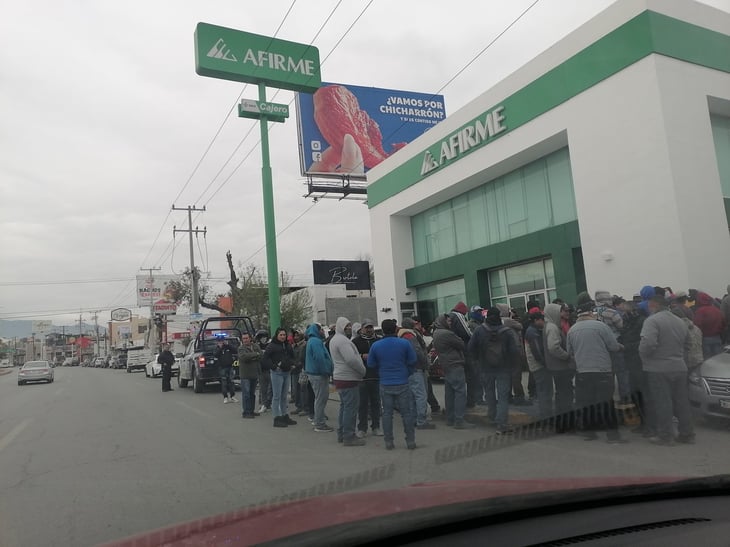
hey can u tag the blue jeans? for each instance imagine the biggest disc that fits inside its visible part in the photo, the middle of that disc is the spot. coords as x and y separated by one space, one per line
711 346
497 385
227 387
280 393
402 397
455 394
349 405
321 387
417 383
248 396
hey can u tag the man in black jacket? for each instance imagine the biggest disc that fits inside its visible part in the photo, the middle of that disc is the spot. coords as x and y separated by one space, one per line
166 359
370 386
224 357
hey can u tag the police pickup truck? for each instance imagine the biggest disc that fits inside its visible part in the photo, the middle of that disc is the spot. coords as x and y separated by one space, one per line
198 364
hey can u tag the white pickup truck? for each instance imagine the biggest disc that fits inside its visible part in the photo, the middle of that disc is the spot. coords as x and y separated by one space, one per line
137 359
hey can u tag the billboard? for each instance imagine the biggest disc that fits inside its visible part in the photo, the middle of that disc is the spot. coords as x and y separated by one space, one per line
42 327
348 130
151 289
354 274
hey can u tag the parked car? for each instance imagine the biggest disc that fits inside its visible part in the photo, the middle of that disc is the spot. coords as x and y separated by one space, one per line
98 362
35 371
153 369
137 359
709 387
198 364
5 363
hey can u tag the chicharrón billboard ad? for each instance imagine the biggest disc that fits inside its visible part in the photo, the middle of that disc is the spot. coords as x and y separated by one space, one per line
347 130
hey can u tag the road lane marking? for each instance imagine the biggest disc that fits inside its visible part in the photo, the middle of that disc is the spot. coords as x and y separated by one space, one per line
196 410
8 438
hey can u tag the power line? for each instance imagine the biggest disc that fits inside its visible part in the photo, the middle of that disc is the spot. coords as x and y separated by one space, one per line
63 282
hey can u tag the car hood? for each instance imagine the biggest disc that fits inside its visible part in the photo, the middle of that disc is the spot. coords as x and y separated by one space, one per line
716 367
281 521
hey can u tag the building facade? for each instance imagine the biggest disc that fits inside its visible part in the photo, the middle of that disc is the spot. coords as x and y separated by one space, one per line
603 164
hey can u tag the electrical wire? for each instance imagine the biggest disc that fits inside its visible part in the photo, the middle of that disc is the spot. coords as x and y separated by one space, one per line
64 282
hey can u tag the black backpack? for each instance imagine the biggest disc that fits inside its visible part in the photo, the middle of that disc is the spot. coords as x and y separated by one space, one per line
493 354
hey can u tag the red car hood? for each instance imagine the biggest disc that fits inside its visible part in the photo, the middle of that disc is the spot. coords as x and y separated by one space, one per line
267 523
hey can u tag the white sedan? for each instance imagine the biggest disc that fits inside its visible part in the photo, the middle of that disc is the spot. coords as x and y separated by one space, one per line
153 369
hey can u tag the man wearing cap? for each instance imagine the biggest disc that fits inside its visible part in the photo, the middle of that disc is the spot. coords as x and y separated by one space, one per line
495 351
664 340
432 400
166 359
417 380
535 352
369 387
518 390
608 314
590 343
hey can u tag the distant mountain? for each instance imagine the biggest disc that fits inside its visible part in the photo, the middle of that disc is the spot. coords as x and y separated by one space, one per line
23 328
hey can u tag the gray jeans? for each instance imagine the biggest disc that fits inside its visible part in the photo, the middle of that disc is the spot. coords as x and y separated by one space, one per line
321 388
670 397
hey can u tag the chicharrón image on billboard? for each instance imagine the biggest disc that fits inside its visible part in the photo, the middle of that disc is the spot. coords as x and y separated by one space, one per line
348 129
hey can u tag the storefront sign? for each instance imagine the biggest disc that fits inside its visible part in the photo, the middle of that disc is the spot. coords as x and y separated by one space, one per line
121 314
231 54
354 274
470 136
274 112
163 307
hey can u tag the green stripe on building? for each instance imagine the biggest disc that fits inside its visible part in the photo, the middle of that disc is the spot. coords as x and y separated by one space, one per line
647 33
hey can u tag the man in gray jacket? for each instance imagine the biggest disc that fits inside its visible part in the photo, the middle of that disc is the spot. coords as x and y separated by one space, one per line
450 349
591 342
664 338
349 371
562 369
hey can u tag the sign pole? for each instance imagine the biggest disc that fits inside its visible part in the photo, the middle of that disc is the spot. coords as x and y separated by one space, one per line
272 266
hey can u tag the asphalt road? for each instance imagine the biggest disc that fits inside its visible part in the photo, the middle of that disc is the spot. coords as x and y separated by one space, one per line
101 454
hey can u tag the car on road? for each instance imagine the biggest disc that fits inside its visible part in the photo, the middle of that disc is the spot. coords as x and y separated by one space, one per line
198 364
153 369
35 371
5 363
98 362
709 387
137 359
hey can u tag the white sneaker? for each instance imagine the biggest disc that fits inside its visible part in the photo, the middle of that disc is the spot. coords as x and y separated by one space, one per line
377 432
233 399
360 434
226 400
263 409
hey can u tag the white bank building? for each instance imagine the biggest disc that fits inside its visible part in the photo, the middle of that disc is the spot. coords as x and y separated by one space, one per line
602 164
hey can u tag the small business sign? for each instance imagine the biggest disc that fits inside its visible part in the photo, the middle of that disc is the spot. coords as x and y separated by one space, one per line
354 274
163 307
255 109
153 288
121 314
231 54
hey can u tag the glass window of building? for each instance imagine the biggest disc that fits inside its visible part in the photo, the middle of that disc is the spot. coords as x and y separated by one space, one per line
439 298
529 199
522 283
721 136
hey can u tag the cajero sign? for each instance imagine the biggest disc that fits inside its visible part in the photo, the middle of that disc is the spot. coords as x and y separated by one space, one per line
231 54
274 112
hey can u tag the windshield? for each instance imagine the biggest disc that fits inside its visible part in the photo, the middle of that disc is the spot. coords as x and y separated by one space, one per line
428 252
36 364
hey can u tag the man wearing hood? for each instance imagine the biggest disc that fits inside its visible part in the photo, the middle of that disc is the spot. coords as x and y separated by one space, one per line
516 328
318 366
417 380
494 345
349 371
590 343
562 369
370 386
450 349
460 326
711 322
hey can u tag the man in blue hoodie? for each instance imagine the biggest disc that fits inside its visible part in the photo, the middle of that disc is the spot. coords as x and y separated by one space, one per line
395 361
318 366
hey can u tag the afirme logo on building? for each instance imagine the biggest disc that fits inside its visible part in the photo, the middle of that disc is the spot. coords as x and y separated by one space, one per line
231 54
472 135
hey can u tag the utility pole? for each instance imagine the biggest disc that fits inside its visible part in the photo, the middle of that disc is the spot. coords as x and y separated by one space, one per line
152 304
190 231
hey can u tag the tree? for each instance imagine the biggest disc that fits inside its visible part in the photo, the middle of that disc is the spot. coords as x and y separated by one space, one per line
182 290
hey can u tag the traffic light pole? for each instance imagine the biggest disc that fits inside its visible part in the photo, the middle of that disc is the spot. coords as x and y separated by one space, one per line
272 266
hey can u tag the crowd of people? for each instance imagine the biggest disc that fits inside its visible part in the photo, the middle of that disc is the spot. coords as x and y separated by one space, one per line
583 363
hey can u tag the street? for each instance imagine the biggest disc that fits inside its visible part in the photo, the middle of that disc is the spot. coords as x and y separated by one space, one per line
101 454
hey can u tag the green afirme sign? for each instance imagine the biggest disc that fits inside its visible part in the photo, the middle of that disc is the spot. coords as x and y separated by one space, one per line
231 54
274 112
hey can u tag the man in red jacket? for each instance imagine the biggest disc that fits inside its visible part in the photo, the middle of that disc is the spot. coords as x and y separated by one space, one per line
711 322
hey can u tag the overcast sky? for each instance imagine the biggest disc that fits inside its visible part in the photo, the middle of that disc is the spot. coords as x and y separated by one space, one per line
104 121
